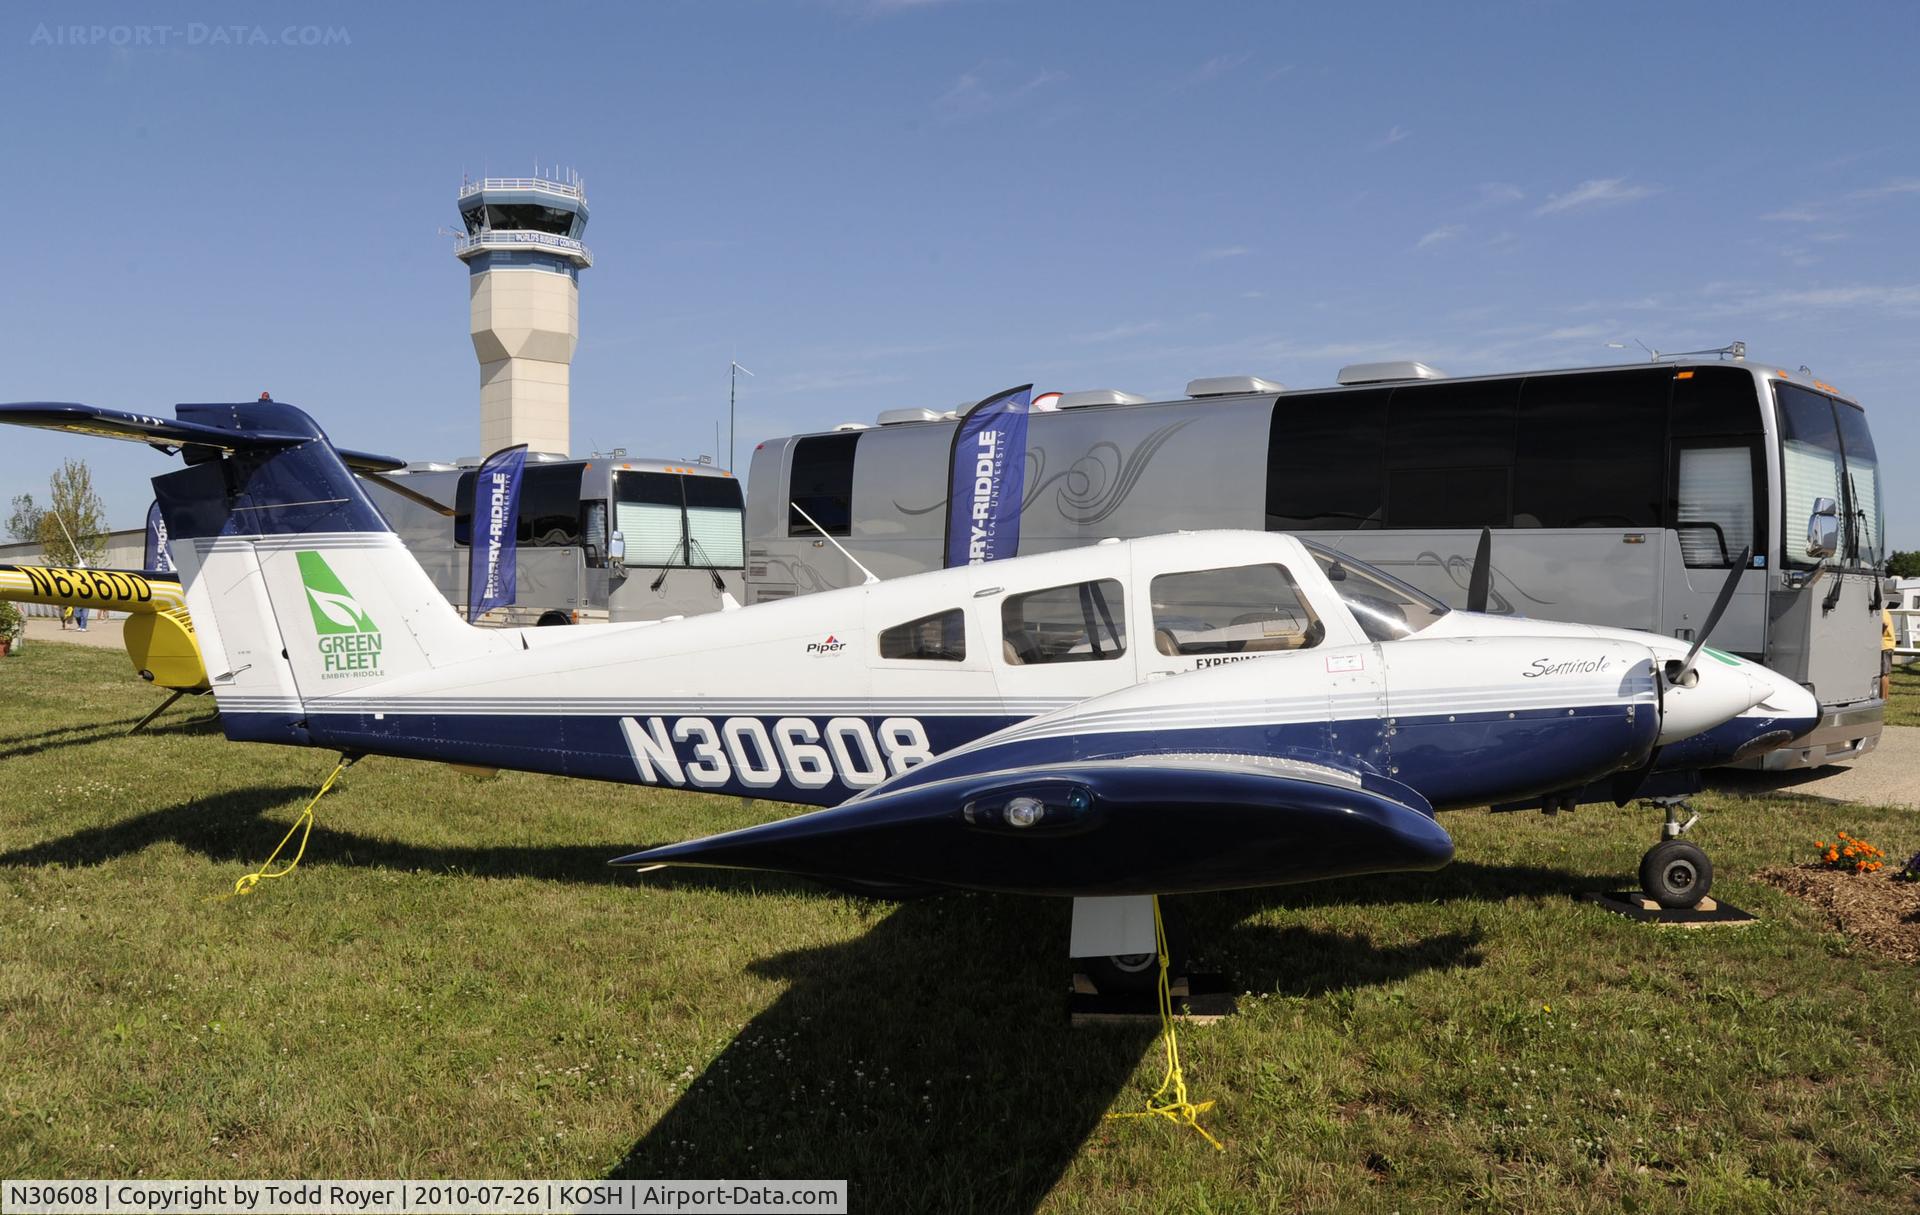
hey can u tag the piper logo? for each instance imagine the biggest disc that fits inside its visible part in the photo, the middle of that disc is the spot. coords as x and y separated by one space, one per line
349 641
832 645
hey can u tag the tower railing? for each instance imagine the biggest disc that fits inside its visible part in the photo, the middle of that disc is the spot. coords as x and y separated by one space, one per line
570 189
474 242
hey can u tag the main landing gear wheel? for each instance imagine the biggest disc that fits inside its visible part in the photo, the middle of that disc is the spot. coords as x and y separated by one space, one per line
1675 874
1136 972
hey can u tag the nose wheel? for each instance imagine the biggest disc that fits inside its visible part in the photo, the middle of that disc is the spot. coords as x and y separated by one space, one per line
1676 873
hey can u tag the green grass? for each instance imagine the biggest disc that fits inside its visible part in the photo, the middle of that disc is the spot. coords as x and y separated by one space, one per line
453 983
1903 706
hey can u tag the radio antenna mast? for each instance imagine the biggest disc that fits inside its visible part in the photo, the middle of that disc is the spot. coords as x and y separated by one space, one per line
733 379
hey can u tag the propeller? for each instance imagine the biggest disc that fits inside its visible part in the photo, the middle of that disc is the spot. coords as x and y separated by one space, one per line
1713 618
1628 783
1480 581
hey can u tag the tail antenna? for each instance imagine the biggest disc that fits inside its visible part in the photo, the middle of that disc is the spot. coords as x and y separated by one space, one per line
871 580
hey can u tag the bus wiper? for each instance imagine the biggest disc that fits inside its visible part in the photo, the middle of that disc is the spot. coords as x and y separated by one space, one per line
700 550
666 567
1853 530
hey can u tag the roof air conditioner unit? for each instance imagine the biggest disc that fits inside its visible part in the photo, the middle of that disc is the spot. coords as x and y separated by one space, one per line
1100 396
901 417
1387 373
1231 386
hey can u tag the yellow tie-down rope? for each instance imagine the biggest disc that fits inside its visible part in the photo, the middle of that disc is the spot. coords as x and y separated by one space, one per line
1169 1101
304 825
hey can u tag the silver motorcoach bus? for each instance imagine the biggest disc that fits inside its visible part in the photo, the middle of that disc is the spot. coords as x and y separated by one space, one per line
1617 495
600 539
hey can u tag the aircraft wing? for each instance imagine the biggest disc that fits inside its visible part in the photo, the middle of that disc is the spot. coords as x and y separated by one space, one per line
170 432
1147 824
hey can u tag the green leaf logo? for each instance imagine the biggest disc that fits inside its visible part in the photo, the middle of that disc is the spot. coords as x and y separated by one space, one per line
332 605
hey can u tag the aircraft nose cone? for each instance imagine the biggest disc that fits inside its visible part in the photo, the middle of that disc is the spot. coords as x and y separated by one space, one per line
1718 694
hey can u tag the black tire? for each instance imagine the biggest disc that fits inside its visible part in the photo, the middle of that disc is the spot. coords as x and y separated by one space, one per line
1122 973
553 618
1675 874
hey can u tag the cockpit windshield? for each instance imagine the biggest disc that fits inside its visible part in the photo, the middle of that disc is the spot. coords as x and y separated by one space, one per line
1385 607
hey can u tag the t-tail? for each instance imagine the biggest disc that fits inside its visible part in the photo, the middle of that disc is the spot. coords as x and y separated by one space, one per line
297 587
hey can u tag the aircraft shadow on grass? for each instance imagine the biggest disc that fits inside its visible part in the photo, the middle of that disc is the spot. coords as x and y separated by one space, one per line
231 827
102 731
930 1061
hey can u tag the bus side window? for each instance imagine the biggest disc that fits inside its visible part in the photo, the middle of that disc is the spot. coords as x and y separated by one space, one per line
821 484
1080 622
1713 502
463 509
593 524
1450 450
550 506
1590 450
1242 609
1326 465
1715 474
941 637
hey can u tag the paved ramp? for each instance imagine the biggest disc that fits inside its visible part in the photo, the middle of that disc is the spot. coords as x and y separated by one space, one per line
1889 776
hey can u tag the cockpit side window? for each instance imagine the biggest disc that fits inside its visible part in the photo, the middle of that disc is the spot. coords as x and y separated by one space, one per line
1081 622
1240 609
941 637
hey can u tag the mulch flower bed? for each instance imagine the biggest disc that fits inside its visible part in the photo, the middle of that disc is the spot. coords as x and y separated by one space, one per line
1872 908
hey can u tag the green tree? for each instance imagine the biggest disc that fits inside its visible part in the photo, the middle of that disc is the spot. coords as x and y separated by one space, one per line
1904 564
74 526
24 523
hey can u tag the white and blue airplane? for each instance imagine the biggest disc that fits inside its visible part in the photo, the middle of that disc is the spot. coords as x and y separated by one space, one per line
1174 714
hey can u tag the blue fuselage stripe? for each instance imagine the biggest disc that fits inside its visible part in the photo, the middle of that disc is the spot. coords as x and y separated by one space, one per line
1454 760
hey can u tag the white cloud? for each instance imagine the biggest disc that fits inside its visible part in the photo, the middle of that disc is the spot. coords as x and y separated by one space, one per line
1599 191
990 87
1569 333
1224 252
1440 235
1117 332
1219 66
1906 186
1394 135
1499 194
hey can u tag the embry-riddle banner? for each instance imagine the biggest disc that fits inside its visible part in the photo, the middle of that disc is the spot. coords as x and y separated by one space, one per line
987 478
492 578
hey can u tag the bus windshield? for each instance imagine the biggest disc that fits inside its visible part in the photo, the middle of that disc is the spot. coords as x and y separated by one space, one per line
667 519
1385 607
1826 451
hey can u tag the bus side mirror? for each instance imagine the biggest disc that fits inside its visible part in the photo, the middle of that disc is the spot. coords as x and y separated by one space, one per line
617 549
1823 528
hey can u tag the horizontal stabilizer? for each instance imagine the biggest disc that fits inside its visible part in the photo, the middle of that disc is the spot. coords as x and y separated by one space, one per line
1159 824
182 432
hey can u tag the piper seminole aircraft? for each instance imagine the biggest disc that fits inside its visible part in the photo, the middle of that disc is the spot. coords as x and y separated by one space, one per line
1172 714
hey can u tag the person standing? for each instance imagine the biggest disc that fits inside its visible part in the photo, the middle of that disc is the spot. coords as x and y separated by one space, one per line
80 612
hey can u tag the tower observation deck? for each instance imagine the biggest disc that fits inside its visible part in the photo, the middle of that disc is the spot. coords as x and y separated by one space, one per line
524 255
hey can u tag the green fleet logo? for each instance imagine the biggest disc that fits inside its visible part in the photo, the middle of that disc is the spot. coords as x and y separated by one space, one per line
349 640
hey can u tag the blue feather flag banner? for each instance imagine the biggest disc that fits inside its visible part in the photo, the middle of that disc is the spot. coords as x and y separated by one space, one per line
492 579
159 557
987 473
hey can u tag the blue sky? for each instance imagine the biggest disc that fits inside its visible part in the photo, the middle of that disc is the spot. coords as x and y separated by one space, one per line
877 203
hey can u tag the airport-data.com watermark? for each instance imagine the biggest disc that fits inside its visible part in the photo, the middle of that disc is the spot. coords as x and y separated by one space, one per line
191 34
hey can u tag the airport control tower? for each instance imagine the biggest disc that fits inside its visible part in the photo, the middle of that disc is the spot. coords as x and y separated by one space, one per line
524 256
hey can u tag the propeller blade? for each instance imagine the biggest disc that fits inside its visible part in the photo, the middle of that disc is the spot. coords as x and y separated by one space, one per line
1719 607
1480 582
